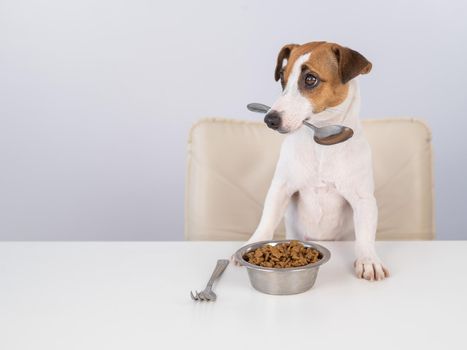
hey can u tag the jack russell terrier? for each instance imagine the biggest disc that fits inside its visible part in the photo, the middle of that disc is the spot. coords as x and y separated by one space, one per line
326 192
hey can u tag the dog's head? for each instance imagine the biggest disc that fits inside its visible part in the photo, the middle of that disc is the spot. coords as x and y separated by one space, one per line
314 77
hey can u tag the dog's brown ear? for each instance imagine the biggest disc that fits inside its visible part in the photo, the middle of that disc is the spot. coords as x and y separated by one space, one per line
350 63
284 53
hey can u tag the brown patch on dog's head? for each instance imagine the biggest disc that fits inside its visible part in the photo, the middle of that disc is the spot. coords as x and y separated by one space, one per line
351 63
324 76
284 54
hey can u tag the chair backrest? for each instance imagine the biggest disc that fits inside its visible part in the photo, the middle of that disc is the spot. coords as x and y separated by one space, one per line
231 163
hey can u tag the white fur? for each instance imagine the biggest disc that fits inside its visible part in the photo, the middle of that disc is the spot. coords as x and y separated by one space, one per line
293 106
334 183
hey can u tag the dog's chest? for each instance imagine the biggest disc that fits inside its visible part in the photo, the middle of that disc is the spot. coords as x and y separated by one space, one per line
304 163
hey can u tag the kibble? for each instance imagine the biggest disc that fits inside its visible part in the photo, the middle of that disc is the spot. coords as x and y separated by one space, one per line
283 255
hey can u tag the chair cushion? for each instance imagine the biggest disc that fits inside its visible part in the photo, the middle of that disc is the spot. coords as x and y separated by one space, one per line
231 164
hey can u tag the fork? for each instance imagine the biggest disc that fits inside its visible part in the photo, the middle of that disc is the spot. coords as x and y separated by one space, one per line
207 294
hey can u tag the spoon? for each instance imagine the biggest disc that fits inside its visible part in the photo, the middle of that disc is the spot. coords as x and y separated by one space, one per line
326 135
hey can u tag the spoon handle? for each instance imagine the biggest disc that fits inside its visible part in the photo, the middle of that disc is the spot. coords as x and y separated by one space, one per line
258 107
310 125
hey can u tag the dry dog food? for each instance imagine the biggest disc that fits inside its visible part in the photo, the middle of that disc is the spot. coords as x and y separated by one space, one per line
282 255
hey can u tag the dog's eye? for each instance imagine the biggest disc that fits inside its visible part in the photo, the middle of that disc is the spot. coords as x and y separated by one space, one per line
311 81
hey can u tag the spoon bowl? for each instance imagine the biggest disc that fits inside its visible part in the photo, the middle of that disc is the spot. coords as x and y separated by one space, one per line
258 107
330 134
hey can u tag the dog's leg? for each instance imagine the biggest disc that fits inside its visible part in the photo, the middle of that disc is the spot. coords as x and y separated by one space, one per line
275 204
365 215
293 227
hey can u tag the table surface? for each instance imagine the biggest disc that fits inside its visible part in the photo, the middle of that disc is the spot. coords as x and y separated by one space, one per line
135 295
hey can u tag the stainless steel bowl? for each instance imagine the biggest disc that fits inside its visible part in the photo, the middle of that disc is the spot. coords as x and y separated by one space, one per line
283 281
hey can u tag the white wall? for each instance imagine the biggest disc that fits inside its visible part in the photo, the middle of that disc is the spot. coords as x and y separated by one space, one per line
97 97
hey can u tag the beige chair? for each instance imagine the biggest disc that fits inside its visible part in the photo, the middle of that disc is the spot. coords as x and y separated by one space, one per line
231 163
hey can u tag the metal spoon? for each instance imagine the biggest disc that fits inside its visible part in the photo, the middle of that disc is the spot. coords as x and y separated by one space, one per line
258 107
326 135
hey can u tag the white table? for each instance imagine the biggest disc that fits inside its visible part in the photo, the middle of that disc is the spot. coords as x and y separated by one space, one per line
136 296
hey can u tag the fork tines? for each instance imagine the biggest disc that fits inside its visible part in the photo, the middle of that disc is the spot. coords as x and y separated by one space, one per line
199 296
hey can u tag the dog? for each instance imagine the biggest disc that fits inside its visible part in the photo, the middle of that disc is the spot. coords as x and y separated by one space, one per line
323 192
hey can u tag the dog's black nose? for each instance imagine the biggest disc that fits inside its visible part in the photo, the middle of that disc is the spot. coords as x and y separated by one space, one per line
273 120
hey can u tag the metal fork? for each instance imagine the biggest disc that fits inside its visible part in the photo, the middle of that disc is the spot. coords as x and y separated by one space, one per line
207 294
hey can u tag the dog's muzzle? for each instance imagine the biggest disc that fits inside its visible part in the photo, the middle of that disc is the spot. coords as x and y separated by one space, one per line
273 120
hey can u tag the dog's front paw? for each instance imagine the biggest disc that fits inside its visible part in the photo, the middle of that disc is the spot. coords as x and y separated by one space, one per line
370 269
234 260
